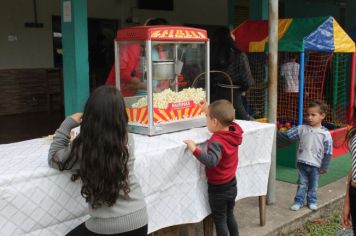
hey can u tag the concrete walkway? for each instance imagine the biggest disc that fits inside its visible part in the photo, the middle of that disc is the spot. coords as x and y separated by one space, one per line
279 218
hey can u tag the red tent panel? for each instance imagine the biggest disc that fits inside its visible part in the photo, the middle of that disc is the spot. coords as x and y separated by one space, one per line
248 32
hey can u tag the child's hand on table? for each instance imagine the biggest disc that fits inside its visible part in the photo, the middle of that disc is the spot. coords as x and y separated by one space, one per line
204 106
191 145
77 117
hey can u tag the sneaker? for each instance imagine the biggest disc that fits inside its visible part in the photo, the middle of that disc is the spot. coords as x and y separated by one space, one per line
313 206
295 207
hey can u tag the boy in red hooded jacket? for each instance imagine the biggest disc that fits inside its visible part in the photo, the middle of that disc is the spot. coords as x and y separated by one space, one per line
221 158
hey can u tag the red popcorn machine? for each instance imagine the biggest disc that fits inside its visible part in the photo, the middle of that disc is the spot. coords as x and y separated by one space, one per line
162 72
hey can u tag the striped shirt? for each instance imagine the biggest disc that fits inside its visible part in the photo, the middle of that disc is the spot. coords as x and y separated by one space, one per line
352 147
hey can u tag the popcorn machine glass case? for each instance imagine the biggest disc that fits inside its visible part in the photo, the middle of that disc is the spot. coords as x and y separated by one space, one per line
162 72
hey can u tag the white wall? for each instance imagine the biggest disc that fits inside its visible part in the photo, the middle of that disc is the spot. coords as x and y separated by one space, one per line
33 47
212 12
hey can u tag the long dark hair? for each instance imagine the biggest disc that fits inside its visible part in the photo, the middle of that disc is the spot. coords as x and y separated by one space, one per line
102 148
221 46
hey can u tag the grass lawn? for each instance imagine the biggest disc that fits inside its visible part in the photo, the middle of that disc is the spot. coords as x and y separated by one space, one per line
325 226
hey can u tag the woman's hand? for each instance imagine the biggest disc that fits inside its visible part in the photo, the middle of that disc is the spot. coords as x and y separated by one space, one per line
77 117
135 83
191 145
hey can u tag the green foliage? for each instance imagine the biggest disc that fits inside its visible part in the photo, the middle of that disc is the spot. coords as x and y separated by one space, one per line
326 226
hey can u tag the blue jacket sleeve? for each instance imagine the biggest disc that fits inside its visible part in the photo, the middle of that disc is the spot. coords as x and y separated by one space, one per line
328 151
291 135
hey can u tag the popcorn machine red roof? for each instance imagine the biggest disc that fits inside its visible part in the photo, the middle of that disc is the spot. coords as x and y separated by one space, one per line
162 73
163 33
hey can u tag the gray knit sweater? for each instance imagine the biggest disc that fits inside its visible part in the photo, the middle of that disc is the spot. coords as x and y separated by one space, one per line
126 214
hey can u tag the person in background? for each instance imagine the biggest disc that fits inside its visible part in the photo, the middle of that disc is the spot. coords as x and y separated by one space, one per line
130 65
101 55
348 215
221 159
313 155
290 74
226 57
102 156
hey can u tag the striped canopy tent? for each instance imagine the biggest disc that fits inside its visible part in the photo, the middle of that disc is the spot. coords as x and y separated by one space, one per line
295 35
318 41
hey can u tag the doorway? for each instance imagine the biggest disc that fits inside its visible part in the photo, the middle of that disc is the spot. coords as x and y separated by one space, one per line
101 35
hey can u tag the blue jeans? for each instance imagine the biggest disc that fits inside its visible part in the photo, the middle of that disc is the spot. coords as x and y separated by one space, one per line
308 180
222 202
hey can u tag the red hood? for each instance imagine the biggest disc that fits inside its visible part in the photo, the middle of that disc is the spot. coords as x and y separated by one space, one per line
233 136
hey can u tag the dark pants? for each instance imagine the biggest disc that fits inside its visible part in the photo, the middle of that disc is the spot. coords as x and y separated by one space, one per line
81 230
352 195
247 106
222 201
225 93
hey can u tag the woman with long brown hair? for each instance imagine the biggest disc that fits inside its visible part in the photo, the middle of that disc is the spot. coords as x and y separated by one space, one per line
102 156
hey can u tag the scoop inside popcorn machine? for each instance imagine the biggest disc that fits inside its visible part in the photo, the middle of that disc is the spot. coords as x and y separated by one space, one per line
162 72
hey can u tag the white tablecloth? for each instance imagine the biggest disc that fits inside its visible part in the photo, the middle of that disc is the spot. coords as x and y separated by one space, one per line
37 200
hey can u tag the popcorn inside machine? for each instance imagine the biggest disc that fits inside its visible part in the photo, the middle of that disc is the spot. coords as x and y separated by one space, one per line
162 72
